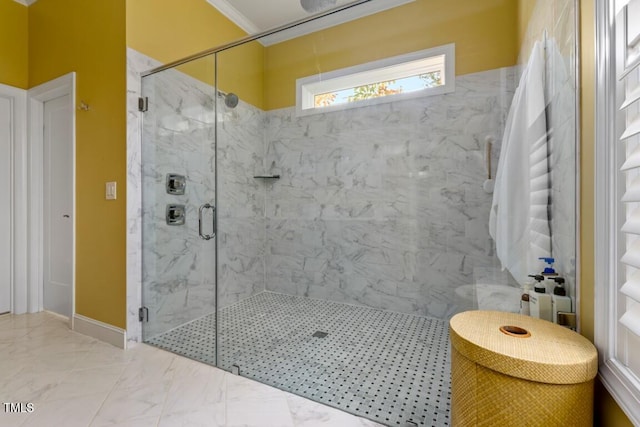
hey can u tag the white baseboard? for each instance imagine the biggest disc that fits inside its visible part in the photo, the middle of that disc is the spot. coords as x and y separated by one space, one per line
99 330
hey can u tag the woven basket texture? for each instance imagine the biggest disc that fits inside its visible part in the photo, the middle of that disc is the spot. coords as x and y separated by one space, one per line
502 380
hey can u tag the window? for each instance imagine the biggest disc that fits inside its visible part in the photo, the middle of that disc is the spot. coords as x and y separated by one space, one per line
617 313
422 73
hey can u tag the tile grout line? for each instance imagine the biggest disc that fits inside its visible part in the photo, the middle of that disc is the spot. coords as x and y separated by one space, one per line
398 341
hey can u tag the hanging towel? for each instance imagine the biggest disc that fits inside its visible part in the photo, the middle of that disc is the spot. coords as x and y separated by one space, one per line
519 218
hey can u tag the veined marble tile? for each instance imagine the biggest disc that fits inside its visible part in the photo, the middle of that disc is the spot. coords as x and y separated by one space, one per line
73 412
142 386
259 413
241 389
82 382
138 422
376 205
213 416
385 201
151 369
195 386
29 387
124 404
177 267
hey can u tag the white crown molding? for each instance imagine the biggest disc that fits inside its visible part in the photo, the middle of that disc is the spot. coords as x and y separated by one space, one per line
347 15
232 13
25 2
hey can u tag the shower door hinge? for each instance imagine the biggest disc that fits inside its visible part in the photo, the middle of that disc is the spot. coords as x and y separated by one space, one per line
143 314
143 104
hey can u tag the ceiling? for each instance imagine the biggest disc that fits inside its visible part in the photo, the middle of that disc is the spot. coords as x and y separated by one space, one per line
258 16
255 16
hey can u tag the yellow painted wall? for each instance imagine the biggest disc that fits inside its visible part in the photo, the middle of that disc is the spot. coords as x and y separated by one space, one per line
607 412
13 44
88 37
525 11
485 33
169 30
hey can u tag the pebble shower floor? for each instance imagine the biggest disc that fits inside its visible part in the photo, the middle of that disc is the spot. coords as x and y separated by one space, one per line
389 367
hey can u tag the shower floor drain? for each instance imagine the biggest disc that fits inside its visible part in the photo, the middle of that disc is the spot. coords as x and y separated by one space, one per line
389 367
319 334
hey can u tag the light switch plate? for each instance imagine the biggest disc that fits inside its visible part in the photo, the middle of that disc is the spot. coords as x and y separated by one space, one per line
110 191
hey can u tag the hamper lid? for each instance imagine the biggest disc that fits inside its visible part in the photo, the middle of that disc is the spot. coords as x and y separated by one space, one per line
528 348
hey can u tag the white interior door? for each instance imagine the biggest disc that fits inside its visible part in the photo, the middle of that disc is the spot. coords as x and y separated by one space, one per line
6 126
58 206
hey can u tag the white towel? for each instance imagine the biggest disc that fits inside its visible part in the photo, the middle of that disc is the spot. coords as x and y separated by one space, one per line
519 219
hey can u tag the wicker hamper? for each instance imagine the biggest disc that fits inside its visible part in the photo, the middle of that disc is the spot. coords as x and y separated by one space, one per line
531 373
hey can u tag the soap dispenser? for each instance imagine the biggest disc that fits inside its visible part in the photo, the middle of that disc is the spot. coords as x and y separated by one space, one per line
549 274
539 300
560 302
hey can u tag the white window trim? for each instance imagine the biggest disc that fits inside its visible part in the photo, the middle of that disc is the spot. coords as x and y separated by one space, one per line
449 81
619 380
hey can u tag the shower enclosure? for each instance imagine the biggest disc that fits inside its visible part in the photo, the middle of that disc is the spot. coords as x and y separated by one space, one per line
323 252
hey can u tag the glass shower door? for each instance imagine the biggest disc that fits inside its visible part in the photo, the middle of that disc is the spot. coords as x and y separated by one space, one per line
178 210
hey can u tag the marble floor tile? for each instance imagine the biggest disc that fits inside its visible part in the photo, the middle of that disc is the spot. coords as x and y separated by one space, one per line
272 412
370 363
102 355
13 419
192 391
211 416
83 382
138 422
307 413
130 403
29 387
76 412
152 369
239 388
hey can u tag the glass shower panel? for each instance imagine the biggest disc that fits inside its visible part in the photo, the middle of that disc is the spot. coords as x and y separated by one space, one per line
349 236
351 227
241 218
178 209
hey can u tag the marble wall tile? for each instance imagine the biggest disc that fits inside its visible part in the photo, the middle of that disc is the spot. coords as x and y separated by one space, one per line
241 202
240 258
178 272
172 270
383 205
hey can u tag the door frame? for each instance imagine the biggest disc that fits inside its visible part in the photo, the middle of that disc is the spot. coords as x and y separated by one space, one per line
17 197
37 96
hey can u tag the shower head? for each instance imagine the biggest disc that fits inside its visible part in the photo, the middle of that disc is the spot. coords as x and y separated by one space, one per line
313 6
230 99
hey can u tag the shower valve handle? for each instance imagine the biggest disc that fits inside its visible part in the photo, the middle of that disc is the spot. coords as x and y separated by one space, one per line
213 213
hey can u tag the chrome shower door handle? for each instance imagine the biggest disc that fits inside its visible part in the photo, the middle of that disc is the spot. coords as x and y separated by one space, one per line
213 213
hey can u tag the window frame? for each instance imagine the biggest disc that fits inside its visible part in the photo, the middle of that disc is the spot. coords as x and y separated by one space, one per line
305 85
619 380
